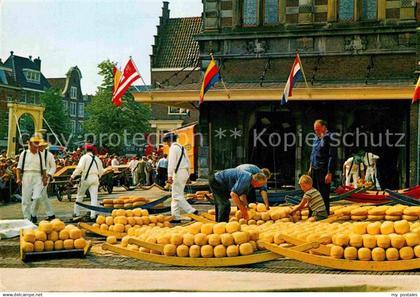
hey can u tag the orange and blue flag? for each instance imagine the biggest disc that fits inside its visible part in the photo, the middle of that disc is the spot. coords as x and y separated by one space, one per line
211 77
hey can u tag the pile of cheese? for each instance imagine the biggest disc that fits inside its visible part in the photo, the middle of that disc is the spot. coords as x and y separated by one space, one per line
399 240
259 215
200 195
51 236
377 213
124 202
122 220
196 240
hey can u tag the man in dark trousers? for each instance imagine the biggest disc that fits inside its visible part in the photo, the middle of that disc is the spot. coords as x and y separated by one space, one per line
322 161
233 183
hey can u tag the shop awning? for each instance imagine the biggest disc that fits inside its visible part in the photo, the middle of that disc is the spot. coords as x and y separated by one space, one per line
187 95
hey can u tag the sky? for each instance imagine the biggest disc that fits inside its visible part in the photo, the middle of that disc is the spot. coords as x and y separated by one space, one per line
66 33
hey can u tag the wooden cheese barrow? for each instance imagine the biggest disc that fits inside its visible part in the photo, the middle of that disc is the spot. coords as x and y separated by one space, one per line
258 257
321 257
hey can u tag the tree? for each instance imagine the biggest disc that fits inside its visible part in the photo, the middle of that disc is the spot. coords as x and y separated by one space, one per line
55 115
105 119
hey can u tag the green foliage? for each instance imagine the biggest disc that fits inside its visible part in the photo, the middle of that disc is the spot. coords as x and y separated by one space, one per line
107 119
55 114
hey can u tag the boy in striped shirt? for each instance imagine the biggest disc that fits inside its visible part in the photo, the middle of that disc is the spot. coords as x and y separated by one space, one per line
311 198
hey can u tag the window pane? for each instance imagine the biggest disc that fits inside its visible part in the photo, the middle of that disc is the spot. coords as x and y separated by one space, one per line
368 9
250 12
271 11
345 10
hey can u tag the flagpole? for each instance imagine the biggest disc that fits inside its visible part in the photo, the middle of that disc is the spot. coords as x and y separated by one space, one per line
221 79
141 77
301 66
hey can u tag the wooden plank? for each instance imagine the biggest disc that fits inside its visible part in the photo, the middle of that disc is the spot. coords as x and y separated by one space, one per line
208 216
322 249
341 264
198 218
197 262
147 245
98 231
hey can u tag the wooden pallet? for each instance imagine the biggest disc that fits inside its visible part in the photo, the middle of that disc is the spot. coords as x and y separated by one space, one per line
198 218
98 231
330 262
73 253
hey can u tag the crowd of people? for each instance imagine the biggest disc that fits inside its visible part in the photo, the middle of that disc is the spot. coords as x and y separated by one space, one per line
238 183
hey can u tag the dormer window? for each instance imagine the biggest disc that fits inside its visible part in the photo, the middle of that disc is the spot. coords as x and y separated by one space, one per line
32 75
73 93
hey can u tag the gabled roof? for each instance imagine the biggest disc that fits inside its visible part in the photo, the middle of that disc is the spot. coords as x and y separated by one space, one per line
175 46
17 64
62 83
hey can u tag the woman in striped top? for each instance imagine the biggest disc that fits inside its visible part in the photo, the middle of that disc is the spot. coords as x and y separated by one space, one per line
311 198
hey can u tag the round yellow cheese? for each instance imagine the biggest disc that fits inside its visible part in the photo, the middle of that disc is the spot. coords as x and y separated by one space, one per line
219 228
58 245
392 254
337 252
373 228
169 250
378 254
40 235
39 246
195 251
240 237
402 227
406 253
207 251
232 251
219 251
232 227
188 239
80 243
45 226
68 244
364 254
111 239
200 239
350 253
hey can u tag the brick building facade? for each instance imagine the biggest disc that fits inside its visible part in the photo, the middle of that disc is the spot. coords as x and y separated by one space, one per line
174 61
361 60
73 99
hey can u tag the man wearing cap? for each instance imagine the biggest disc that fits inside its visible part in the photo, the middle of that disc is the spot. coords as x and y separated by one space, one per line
51 167
90 168
251 196
178 174
233 183
31 173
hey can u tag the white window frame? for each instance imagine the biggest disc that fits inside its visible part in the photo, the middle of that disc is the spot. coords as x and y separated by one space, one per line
66 106
79 126
182 111
81 110
73 92
73 109
32 75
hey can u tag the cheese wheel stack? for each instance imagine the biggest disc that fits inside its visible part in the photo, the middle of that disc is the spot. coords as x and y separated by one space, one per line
124 202
122 220
212 240
54 235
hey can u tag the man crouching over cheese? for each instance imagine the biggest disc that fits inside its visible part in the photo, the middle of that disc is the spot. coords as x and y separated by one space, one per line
233 183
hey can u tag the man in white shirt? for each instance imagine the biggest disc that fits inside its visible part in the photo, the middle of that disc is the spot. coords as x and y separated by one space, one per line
353 170
133 164
90 168
51 167
370 160
31 173
114 161
178 174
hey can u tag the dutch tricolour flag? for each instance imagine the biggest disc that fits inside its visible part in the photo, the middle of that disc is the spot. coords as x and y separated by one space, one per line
295 75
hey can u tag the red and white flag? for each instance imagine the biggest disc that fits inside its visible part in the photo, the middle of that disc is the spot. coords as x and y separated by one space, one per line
128 77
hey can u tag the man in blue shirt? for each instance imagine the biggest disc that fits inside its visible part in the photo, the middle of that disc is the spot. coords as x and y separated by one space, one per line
251 196
162 170
233 183
322 161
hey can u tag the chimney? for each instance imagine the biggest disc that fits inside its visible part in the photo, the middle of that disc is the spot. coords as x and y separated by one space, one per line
30 58
165 13
11 53
37 62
